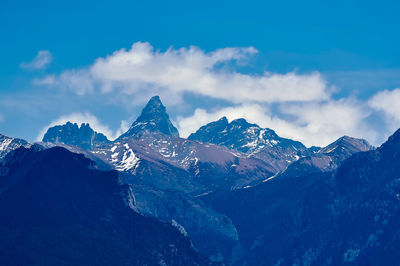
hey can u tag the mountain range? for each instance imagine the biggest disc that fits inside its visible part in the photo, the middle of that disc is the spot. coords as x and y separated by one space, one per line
232 193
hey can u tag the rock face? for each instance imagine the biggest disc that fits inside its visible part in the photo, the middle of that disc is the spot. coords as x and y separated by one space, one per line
154 118
8 144
348 216
213 234
261 143
56 209
71 134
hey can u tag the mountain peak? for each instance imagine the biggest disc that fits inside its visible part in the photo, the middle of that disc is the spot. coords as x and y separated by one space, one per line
71 134
348 145
154 106
243 123
153 118
8 144
223 120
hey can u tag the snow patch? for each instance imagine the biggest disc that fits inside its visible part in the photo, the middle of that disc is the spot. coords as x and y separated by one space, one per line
128 162
113 148
269 178
5 144
179 227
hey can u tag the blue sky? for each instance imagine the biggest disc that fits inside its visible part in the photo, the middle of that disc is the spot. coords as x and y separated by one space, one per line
327 62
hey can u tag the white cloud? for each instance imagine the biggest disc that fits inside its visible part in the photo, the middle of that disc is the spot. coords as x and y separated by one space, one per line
41 61
175 71
311 123
85 117
320 123
305 109
122 129
389 103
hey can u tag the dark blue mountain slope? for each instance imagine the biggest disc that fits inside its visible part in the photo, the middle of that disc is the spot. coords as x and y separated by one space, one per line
56 209
347 217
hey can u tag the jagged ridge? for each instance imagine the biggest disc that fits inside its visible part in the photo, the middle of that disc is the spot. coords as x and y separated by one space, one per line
71 134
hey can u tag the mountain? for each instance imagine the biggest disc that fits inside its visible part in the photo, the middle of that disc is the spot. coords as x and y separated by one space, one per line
71 134
344 147
327 158
241 194
57 209
168 173
8 144
257 142
153 118
350 216
152 151
168 162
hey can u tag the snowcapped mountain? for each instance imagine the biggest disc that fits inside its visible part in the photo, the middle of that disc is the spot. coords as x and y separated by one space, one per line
71 134
56 209
203 167
152 151
254 141
8 144
167 173
203 184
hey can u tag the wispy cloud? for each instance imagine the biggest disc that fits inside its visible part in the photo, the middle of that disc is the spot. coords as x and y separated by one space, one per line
41 61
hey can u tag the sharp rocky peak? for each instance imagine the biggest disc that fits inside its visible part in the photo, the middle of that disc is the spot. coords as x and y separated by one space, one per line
153 118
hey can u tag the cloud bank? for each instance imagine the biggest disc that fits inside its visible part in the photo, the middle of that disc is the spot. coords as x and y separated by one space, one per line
41 61
297 106
175 71
311 123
